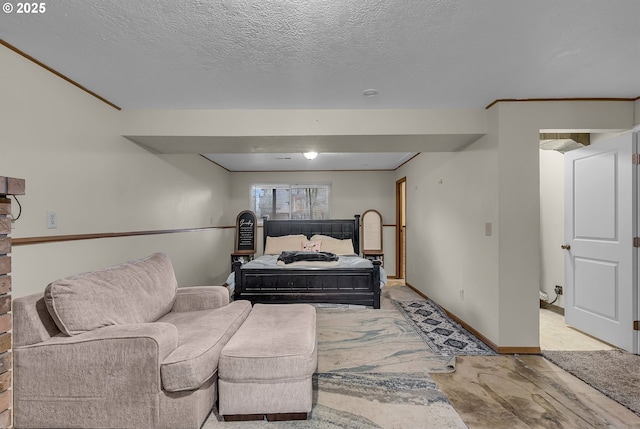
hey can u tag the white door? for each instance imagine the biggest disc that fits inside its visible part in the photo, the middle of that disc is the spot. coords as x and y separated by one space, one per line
600 261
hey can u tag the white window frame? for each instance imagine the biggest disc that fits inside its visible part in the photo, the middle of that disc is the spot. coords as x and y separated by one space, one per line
289 186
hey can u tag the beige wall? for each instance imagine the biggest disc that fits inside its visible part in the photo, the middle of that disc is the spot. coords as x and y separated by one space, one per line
450 198
362 124
352 192
518 127
67 145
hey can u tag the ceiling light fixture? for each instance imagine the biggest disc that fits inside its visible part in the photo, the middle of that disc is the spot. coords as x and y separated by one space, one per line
370 92
310 155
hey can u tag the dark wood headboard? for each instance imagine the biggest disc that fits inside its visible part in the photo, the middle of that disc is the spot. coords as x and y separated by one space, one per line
341 229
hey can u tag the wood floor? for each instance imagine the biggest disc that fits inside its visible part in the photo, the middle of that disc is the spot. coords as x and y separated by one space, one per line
527 391
512 392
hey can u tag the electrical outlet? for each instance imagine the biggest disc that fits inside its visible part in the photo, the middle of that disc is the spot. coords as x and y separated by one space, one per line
461 294
558 289
52 220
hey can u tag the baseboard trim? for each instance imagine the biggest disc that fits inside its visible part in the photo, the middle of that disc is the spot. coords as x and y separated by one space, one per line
519 350
416 290
494 346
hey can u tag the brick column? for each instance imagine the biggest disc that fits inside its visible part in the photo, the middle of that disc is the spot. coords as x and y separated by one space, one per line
8 186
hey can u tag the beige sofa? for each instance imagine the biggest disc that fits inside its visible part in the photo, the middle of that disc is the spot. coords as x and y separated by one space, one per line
122 347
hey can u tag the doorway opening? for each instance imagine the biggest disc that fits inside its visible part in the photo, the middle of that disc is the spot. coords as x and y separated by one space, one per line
401 227
555 333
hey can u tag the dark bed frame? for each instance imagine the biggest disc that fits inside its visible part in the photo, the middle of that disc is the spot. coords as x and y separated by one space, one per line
359 286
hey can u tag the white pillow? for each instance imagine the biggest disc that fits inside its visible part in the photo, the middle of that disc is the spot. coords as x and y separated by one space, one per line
277 245
335 245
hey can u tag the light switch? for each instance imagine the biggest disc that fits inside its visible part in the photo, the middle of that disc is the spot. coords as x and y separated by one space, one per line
488 229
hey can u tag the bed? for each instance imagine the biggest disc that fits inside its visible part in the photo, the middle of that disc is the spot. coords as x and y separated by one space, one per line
353 280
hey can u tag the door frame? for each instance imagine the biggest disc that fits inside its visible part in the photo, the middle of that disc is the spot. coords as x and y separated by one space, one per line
401 208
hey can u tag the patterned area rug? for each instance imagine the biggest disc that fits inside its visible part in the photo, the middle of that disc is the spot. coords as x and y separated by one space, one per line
442 334
373 373
374 341
367 401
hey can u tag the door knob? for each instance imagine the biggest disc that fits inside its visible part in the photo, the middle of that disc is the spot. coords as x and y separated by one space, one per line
566 246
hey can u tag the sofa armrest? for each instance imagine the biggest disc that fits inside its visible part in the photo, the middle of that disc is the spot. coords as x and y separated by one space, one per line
200 298
120 361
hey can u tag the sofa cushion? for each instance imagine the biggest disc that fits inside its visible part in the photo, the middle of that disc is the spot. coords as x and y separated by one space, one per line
32 322
201 336
276 342
139 291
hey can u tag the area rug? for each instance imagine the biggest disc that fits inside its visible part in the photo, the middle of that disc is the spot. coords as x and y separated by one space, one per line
367 401
443 335
614 373
373 372
374 341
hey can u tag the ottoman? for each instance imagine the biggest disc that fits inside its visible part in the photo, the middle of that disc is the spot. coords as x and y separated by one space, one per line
266 368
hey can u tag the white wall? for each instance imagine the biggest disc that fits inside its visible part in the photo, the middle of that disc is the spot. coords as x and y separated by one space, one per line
551 223
518 126
450 198
495 180
67 145
352 192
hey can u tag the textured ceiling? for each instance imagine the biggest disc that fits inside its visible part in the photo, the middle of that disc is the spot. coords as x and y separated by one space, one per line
322 54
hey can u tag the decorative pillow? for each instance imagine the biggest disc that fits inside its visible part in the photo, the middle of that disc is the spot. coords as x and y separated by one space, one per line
277 245
335 245
139 291
311 246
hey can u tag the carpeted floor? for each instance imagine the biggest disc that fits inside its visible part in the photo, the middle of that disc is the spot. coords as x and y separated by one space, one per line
615 373
373 372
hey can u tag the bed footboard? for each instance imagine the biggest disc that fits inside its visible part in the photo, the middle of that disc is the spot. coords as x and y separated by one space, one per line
359 286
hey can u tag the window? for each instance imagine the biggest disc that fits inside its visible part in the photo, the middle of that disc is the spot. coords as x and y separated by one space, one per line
291 201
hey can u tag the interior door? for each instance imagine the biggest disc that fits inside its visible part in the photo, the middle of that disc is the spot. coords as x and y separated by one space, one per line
600 261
